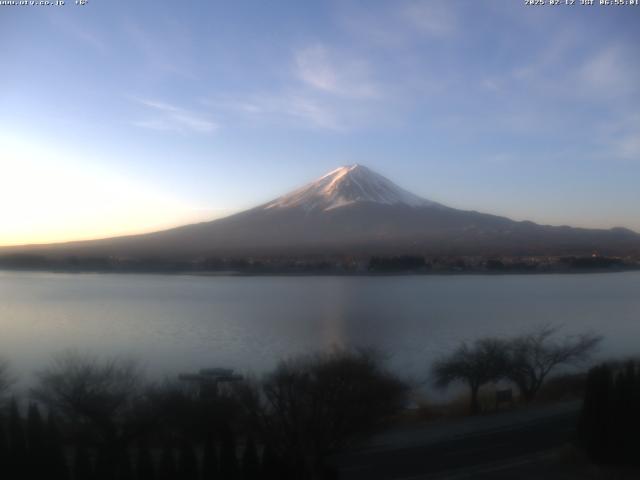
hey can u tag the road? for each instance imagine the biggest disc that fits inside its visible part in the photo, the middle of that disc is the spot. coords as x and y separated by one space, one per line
496 443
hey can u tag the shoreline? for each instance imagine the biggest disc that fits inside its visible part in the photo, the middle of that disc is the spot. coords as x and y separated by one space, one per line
233 273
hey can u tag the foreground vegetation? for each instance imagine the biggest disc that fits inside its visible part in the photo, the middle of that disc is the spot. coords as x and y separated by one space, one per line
524 361
610 420
104 422
87 418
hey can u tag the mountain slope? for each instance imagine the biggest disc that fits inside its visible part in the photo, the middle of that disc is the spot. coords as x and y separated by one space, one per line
347 186
355 211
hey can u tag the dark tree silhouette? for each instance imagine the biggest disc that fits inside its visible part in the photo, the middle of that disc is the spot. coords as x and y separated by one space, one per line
187 461
477 364
313 406
4 445
82 467
56 460
228 454
36 440
107 463
250 461
145 465
98 397
125 469
272 466
610 418
594 421
18 460
210 468
86 390
5 380
167 470
628 398
183 409
533 356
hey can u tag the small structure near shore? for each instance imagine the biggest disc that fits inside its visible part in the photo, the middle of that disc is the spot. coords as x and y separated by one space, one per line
208 380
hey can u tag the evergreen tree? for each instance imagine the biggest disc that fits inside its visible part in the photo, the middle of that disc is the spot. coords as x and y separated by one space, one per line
146 469
17 465
167 464
617 419
595 422
82 468
271 465
4 445
55 458
187 462
210 460
228 458
125 470
36 441
634 421
250 461
610 418
105 467
330 473
628 428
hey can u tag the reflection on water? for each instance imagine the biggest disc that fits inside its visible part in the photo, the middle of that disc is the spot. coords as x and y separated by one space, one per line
175 323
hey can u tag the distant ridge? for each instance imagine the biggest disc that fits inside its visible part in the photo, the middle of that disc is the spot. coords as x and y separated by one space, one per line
351 210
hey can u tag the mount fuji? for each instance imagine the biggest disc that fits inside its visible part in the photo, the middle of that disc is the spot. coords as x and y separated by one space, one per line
347 186
352 210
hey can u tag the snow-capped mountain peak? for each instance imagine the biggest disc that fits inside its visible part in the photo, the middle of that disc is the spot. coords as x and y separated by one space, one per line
345 186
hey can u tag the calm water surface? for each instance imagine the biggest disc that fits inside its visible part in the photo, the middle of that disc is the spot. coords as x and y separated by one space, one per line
178 323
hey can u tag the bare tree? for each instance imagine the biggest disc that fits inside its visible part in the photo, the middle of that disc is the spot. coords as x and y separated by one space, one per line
85 388
534 355
312 406
97 396
5 379
481 362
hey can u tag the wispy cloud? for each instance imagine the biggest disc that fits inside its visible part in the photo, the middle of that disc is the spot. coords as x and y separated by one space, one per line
433 18
296 109
169 53
620 137
328 71
608 72
565 70
401 23
83 35
628 147
166 117
568 85
329 89
316 113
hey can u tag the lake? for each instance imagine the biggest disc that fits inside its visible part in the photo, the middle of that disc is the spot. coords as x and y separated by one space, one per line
176 323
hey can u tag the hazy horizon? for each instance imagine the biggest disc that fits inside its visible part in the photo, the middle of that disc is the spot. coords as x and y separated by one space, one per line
123 118
186 222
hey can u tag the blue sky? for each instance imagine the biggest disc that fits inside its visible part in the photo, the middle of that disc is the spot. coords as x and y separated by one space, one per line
118 117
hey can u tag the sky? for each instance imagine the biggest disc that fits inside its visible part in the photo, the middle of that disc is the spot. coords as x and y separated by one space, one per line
120 117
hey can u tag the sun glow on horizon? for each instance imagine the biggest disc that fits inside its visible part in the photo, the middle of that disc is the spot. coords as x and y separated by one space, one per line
48 197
